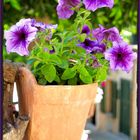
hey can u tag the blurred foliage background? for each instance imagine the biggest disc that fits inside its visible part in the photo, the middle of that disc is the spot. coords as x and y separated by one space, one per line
123 15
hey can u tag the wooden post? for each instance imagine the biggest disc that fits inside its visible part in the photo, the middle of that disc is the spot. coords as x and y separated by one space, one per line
13 126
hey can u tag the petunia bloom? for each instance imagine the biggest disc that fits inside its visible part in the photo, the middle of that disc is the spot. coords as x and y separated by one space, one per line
72 3
64 8
99 48
50 26
92 46
111 34
120 56
42 26
25 21
19 37
87 45
39 25
86 30
95 4
50 51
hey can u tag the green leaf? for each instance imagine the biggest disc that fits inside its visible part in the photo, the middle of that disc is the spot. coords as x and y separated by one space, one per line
15 4
68 73
30 61
43 56
64 64
57 79
73 81
84 75
55 59
69 36
80 50
6 1
36 64
82 37
119 14
42 81
101 74
92 71
49 72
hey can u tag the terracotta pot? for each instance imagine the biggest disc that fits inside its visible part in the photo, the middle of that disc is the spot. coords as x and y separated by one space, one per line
56 112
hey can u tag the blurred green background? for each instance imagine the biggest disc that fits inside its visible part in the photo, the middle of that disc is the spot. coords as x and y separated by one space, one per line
123 15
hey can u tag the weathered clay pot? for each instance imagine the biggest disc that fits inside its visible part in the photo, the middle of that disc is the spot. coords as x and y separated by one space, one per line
56 112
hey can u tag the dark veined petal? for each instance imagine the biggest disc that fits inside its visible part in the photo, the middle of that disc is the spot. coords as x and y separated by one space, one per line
64 11
95 4
111 34
64 8
92 46
72 3
98 33
86 30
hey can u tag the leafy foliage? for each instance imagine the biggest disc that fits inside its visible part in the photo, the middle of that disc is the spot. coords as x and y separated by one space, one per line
68 63
64 66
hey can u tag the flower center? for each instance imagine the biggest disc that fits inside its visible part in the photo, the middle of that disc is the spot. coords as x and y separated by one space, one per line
87 43
22 36
119 56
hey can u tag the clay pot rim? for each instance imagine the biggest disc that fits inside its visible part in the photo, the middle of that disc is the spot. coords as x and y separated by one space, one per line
67 86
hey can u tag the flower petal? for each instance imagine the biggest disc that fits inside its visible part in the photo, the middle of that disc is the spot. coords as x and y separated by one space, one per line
20 48
95 4
64 11
86 30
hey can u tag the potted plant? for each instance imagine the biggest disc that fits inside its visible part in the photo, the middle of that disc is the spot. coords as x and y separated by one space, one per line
66 66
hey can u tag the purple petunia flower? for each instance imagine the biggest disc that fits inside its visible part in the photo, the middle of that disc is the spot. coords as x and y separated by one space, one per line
72 3
64 8
98 33
87 45
120 56
42 26
39 25
99 48
19 37
92 46
95 4
50 51
50 26
111 34
64 11
86 30
27 21
46 49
